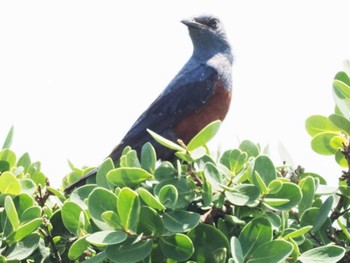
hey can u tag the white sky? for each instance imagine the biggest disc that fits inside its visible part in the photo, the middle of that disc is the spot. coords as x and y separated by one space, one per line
75 75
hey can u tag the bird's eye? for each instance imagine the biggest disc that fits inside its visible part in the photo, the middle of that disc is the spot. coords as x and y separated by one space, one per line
213 23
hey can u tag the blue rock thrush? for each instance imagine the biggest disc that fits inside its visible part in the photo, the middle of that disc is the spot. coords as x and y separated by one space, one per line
199 94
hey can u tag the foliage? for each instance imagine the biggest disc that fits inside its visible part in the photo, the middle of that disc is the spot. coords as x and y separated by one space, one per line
238 207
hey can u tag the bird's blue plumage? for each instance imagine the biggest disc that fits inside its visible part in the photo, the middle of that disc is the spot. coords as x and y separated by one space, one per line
199 93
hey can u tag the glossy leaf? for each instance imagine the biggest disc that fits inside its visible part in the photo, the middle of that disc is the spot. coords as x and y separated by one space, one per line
150 199
341 94
150 222
9 138
128 176
165 142
317 124
78 248
340 122
164 171
21 250
129 251
323 213
106 238
243 194
24 230
298 233
236 250
168 195
128 206
308 188
148 157
265 168
204 136
250 148
185 189
177 247
254 234
101 200
289 191
8 156
213 176
276 251
327 143
9 184
101 175
24 161
180 221
207 240
329 254
71 213
11 212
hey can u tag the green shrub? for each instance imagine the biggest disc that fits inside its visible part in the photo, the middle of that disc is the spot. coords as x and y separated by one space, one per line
240 207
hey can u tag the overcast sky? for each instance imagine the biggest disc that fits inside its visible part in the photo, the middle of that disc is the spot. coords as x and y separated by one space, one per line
75 75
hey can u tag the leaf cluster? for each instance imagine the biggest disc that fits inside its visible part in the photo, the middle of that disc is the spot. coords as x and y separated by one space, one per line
236 207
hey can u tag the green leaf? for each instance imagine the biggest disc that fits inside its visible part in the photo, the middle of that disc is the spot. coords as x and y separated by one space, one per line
165 142
317 124
207 240
24 230
107 238
204 136
254 234
148 157
21 250
150 222
30 214
265 168
308 188
101 200
164 171
129 251
8 156
80 194
213 176
297 233
28 186
180 221
128 176
341 94
78 248
327 143
71 213
9 138
340 159
250 148
243 194
323 213
177 247
276 251
340 122
128 206
236 250
149 199
329 254
185 189
112 219
259 182
24 161
207 193
274 186
168 196
101 175
11 212
289 191
9 184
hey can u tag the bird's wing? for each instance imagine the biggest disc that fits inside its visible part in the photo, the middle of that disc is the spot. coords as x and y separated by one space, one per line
187 93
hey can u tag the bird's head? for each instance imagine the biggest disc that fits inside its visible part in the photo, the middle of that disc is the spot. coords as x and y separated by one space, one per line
208 35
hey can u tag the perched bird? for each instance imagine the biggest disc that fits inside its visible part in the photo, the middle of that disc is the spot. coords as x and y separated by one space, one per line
199 94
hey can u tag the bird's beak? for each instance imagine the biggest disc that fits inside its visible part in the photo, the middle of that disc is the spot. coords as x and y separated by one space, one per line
190 22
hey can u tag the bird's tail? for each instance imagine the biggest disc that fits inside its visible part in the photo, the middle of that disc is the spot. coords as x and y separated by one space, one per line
81 181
